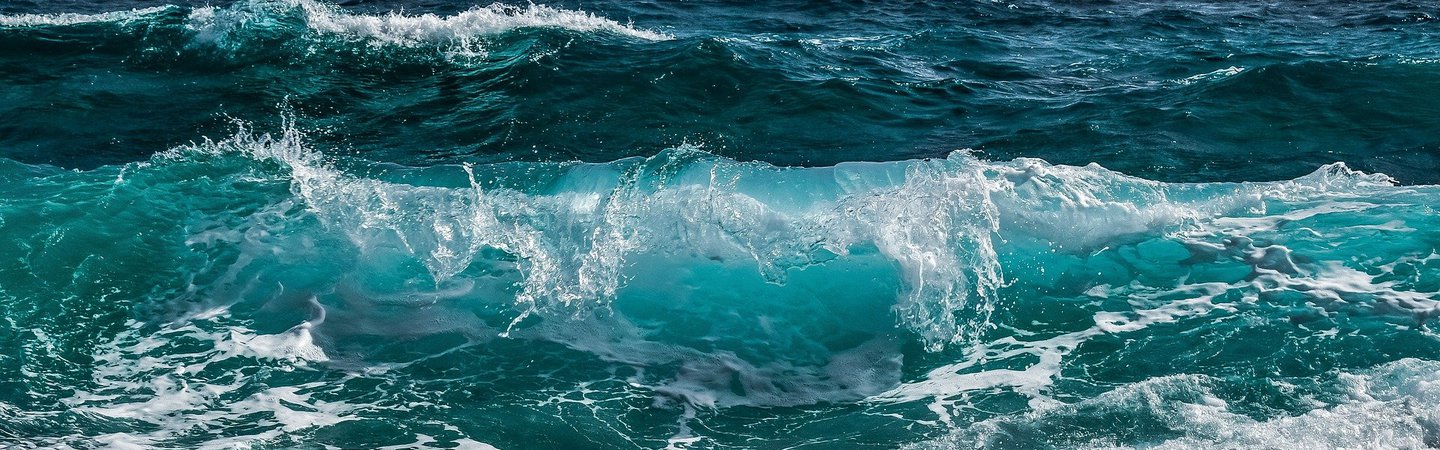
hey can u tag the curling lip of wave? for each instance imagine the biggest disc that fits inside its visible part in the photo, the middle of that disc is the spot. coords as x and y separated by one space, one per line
392 28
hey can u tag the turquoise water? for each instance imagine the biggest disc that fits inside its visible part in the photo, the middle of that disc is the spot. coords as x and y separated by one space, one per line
292 224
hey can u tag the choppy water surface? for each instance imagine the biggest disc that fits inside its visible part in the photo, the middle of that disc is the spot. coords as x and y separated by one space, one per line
288 223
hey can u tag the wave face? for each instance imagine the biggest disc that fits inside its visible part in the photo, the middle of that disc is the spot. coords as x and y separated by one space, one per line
289 223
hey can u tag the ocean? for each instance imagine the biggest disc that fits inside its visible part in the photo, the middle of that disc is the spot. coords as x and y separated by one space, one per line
1031 224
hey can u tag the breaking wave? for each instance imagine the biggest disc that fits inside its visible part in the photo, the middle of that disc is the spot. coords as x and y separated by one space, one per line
718 283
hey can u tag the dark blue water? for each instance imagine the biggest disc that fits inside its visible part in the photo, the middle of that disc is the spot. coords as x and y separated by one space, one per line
296 224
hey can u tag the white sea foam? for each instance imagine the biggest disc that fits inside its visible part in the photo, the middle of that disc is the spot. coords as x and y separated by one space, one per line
135 381
167 379
948 385
62 19
494 19
1388 407
226 25
1212 75
215 24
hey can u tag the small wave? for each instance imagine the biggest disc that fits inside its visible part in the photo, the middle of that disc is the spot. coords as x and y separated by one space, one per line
217 24
64 19
1212 75
400 29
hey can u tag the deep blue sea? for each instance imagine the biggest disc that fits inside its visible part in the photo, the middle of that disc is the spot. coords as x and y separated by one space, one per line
1030 224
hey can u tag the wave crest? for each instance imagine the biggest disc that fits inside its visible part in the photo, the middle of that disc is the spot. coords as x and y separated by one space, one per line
66 19
399 29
